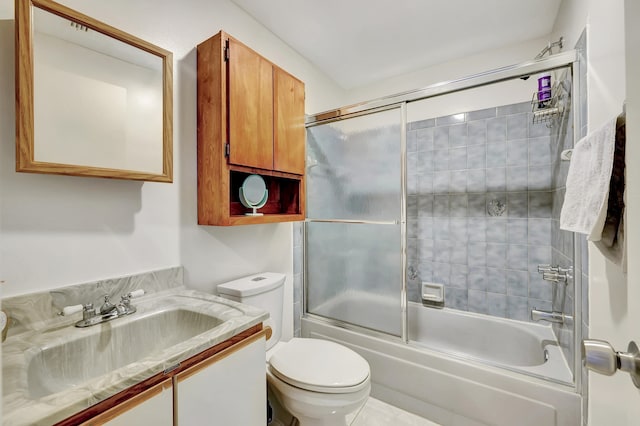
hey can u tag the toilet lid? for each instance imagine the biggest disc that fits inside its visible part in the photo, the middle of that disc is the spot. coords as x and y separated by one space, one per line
320 366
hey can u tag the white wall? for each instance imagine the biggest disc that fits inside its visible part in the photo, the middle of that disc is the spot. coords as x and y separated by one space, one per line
123 95
614 303
452 70
59 230
612 307
503 93
570 22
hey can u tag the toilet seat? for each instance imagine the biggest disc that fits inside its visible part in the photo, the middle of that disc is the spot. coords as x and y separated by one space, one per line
320 366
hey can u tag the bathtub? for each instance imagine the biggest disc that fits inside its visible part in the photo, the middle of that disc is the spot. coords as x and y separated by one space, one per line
459 368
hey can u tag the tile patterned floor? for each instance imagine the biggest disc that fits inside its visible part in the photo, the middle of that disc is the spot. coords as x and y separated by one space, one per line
378 413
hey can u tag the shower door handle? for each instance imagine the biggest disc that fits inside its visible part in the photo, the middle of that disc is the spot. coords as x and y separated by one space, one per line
599 356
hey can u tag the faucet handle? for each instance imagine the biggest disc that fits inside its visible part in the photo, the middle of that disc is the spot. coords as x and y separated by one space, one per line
125 301
136 293
546 268
70 310
126 298
550 276
88 311
554 277
124 307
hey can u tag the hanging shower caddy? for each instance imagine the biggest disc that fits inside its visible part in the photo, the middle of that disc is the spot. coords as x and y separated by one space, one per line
545 110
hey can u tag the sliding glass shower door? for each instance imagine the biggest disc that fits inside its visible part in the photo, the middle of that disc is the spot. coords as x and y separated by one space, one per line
354 230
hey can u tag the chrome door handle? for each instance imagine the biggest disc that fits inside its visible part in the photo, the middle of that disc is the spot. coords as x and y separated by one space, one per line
599 356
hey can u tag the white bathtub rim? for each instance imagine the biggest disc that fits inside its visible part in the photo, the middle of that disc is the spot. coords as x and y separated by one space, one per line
556 369
555 353
523 324
555 364
556 395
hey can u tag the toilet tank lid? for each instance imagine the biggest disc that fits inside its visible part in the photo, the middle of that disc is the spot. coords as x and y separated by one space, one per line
252 285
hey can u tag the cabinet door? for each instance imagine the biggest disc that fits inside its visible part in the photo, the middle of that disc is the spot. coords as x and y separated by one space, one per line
250 102
151 407
289 134
226 389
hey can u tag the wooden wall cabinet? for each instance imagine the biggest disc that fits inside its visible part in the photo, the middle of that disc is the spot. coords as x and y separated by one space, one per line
250 120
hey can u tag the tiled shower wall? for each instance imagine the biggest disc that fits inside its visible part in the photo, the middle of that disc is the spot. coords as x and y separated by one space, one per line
457 166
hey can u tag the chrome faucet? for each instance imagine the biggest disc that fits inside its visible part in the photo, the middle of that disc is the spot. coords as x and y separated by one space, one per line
107 307
107 312
556 317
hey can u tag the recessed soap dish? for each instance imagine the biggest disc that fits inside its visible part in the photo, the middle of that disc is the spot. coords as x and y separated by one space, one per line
433 294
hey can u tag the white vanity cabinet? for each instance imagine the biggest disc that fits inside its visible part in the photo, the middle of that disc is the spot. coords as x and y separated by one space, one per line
224 385
151 407
227 389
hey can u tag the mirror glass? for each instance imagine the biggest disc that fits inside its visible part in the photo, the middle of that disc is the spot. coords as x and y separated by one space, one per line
100 98
253 189
97 100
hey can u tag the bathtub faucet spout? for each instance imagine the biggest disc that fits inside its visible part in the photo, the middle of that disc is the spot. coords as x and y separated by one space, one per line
557 317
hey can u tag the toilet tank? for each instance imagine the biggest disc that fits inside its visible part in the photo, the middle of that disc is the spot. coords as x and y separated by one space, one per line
265 291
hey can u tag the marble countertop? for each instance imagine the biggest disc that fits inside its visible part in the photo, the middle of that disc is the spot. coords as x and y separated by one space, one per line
24 406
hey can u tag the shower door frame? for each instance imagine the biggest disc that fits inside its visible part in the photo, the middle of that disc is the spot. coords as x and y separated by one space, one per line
404 330
568 59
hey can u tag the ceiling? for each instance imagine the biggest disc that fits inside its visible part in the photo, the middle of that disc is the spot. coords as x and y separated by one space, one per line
358 42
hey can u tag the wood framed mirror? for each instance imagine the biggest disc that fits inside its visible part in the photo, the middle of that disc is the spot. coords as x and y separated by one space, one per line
91 100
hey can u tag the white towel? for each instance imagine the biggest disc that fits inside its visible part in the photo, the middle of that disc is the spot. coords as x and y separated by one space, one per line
585 203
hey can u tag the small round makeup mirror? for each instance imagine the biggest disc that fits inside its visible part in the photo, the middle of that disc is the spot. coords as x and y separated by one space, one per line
254 194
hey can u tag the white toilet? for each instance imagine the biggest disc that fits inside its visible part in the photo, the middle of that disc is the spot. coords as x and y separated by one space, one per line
318 381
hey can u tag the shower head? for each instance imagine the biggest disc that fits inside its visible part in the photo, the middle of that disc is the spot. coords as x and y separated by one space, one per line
544 51
548 48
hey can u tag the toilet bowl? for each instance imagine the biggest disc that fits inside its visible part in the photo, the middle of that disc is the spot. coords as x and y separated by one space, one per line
317 381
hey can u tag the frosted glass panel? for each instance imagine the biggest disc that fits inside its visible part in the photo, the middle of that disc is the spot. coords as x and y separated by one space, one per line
353 168
354 274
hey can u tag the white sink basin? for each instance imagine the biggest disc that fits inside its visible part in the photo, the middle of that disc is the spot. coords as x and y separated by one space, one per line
110 346
52 370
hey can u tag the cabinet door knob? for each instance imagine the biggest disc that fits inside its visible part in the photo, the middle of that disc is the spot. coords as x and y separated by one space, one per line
599 356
